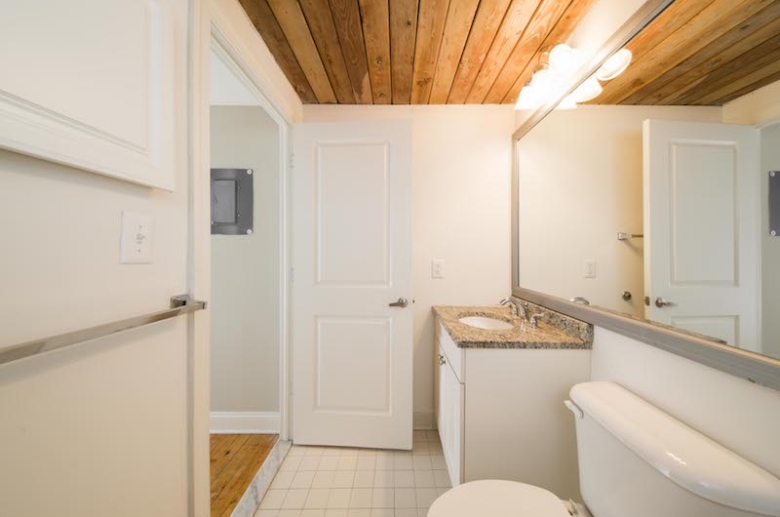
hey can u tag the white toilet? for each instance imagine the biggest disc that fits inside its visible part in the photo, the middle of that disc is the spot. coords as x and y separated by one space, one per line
634 461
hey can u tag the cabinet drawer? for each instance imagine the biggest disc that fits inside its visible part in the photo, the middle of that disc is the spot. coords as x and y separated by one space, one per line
453 354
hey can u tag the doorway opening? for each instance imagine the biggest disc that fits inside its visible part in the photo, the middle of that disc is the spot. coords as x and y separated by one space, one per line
247 321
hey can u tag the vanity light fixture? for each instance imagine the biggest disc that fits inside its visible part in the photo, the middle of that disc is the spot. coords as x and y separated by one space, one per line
549 82
588 90
615 65
562 62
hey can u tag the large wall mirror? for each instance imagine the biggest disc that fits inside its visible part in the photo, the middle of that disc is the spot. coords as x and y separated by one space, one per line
646 200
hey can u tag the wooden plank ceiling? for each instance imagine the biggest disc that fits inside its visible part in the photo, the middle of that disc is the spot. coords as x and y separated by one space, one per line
701 52
412 51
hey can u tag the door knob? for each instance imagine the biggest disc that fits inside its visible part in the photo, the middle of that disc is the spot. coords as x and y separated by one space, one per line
402 302
661 303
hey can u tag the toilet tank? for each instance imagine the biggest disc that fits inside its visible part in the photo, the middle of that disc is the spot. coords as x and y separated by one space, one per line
637 461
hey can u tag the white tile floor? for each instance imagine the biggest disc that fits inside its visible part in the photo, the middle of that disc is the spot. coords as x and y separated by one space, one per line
339 482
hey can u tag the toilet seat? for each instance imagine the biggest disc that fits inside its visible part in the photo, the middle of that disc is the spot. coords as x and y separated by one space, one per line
493 498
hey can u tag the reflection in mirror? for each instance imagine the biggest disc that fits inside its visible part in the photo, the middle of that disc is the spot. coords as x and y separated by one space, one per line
649 200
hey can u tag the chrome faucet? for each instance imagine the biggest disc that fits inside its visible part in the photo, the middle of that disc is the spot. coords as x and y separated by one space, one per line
516 308
536 317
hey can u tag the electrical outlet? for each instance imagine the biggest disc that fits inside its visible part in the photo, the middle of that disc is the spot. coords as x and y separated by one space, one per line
136 241
437 269
589 268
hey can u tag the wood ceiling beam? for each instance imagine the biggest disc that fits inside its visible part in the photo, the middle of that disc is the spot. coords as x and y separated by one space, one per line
403 36
263 18
717 19
764 81
293 23
547 15
323 30
483 31
678 81
747 62
561 33
512 27
672 19
763 71
376 34
460 18
346 18
430 32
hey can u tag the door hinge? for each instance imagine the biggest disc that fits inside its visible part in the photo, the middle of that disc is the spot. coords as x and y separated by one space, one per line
292 274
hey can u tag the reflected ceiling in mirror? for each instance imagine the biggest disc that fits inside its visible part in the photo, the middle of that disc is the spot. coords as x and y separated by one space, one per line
656 157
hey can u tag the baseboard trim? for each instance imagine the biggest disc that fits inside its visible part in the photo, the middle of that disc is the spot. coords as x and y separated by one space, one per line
244 422
423 420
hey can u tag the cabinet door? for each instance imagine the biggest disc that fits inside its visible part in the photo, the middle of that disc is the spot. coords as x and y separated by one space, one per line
450 418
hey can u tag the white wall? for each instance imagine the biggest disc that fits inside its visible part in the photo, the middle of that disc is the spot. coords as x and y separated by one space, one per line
580 184
245 269
770 246
461 174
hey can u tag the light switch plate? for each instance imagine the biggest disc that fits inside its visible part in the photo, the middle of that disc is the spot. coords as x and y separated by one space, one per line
437 269
589 268
136 241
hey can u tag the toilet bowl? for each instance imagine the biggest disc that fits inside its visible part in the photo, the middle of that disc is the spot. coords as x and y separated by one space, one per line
494 498
634 460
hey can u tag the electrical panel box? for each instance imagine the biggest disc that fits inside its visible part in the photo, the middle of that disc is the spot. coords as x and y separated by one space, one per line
232 199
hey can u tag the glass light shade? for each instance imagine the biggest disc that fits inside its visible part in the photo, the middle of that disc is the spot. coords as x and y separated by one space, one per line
615 65
588 90
568 103
564 60
529 99
543 79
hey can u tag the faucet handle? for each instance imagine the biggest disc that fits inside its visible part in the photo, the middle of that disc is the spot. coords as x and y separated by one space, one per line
505 300
536 317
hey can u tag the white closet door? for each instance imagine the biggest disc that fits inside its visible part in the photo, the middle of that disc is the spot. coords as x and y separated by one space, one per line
702 228
352 351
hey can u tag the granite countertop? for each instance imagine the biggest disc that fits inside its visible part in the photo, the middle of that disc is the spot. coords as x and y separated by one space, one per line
554 331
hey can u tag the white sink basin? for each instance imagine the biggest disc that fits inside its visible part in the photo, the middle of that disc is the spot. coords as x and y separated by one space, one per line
485 322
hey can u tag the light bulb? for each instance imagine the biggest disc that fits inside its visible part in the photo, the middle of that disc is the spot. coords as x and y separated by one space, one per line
588 90
568 103
564 59
615 65
529 99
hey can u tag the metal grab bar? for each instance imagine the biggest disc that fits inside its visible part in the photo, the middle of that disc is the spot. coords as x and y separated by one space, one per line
182 304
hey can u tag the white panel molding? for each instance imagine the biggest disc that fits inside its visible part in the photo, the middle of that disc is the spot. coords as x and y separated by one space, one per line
382 279
44 132
246 422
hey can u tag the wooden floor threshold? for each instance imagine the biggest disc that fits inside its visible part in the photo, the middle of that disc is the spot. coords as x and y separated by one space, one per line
235 460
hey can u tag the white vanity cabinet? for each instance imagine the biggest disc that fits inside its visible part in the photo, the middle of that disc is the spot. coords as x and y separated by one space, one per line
449 415
501 414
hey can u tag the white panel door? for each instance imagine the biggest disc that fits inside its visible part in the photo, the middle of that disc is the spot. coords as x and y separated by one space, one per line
90 83
352 351
702 224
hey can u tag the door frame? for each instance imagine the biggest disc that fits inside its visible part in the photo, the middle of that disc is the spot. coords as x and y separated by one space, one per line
223 26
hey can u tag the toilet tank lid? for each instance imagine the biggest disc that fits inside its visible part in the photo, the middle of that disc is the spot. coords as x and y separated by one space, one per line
685 456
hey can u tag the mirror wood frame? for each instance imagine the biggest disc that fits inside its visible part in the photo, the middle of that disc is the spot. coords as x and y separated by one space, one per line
754 367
